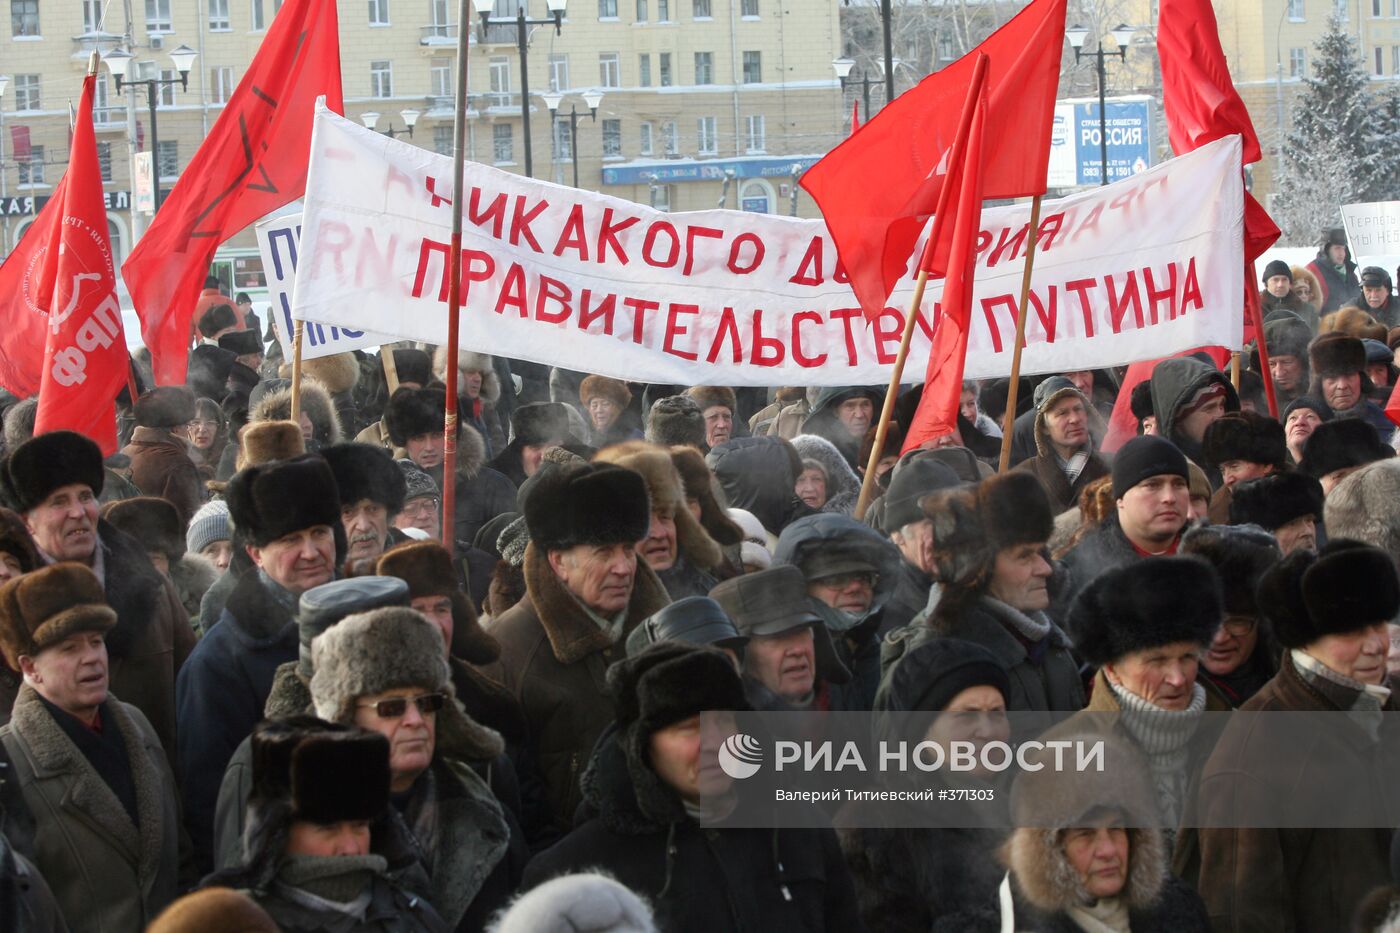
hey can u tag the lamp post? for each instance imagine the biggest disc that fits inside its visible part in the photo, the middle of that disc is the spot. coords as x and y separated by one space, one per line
591 99
1122 34
886 23
842 67
4 170
119 61
522 43
369 118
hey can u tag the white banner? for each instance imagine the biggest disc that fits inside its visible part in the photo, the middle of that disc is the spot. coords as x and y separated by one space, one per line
278 242
1139 269
1372 229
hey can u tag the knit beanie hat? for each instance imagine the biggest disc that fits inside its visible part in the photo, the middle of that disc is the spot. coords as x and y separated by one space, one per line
208 525
1276 267
1143 457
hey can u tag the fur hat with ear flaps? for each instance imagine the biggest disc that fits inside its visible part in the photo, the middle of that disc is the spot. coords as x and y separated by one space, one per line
596 504
164 407
271 500
42 608
426 567
153 521
1145 605
338 372
615 390
1247 436
364 471
48 462
1240 555
710 396
699 485
387 649
265 441
1336 354
276 405
972 523
412 412
667 495
1344 587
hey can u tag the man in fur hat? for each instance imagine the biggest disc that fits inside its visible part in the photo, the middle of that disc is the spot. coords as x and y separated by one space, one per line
842 415
1187 395
1065 460
533 430
718 406
1287 342
585 592
160 461
1339 379
414 420
478 394
1242 445
676 421
1287 505
372 491
286 516
91 770
1339 448
911 531
54 481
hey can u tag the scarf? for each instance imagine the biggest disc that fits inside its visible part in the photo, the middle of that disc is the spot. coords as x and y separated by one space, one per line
1363 701
1105 915
279 594
340 882
1033 628
1074 465
611 627
1164 736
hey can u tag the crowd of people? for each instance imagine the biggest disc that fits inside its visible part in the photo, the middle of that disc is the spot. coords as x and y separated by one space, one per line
245 686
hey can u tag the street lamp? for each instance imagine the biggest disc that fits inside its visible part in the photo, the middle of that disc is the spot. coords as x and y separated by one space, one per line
591 100
370 117
843 67
119 61
522 43
1122 34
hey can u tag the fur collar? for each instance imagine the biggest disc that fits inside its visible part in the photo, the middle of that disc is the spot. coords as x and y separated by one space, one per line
471 455
158 437
256 616
627 796
572 635
1043 874
53 755
132 585
193 574
472 837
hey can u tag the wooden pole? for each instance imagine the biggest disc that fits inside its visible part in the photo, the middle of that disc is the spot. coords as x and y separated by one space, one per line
391 368
297 337
1013 389
1235 370
454 283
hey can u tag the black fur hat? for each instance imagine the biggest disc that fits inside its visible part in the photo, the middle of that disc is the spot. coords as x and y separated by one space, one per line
49 461
241 342
1339 444
591 504
1247 436
1240 554
412 412
1145 605
270 500
1014 510
165 407
413 366
1287 337
541 423
1344 587
364 471
328 773
1140 400
1275 500
1336 354
153 521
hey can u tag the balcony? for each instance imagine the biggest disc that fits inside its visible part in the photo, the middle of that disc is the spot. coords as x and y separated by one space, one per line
441 35
108 119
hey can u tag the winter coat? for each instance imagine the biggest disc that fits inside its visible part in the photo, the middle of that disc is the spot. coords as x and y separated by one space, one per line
220 694
699 879
161 466
1291 303
842 483
1371 413
780 419
481 492
1177 909
684 579
192 576
554 659
27 903
909 598
1292 879
1101 550
756 474
824 423
1045 466
1174 383
1339 286
116 487
107 874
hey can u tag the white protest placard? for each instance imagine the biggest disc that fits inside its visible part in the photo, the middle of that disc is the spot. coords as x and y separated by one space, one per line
278 241
1139 269
1372 229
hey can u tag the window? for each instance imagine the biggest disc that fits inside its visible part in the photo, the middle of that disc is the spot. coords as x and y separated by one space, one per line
165 95
607 9
1395 59
31 171
670 138
1380 62
749 8
442 139
641 11
1376 8
559 72
947 51
440 77
26 92
701 9
755 133
663 11
609 69
1297 63
218 16
1343 8
168 158
500 81
158 16
437 10
381 79
503 143
1395 9
753 67
645 134
259 17
101 113
24 19
220 85
706 136
664 60
564 139
379 12
644 70
704 68
92 16
104 161
1295 10
661 197
612 139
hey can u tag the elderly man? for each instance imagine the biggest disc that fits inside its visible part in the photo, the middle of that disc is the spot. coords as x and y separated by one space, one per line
1287 342
1242 445
286 516
1339 448
1300 419
1339 380
1287 505
533 430
1377 298
160 461
585 590
842 415
372 492
1187 395
1065 460
90 768
422 504
718 405
911 531
54 481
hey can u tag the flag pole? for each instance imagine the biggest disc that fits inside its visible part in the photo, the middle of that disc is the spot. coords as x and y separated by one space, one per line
945 197
297 337
1013 388
1235 370
1256 317
454 282
391 368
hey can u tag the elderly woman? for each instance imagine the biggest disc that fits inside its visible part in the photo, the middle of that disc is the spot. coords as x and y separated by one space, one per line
386 671
1329 611
207 433
605 403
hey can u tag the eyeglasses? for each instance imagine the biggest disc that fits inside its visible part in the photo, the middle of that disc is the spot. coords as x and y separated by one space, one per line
840 581
395 707
1239 627
421 506
197 424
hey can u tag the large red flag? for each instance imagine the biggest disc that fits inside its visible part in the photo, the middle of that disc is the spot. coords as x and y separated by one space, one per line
253 161
24 300
875 227
85 361
937 414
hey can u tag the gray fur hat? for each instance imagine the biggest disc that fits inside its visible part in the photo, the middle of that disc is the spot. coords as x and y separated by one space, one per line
676 420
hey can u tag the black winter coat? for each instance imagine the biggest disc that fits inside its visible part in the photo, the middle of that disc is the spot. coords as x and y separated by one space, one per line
757 474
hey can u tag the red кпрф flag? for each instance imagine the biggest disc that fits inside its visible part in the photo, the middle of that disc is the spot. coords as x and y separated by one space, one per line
905 146
85 361
253 161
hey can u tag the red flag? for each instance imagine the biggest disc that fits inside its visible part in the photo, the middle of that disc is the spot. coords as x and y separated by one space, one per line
855 117
253 162
25 296
875 227
85 361
937 414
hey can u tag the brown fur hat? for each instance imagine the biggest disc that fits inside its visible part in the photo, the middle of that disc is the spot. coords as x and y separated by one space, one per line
971 524
164 407
700 486
15 541
710 396
213 910
614 390
1354 322
426 567
507 588
316 401
1301 273
339 372
668 497
42 608
265 441
1336 354
153 521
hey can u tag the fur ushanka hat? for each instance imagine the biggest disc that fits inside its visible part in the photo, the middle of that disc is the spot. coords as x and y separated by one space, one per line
1336 354
153 521
1240 555
676 421
699 485
50 461
42 608
594 504
265 441
1145 605
271 500
1275 500
710 396
971 524
1247 436
667 495
412 412
614 390
164 407
1344 587
366 471
426 567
